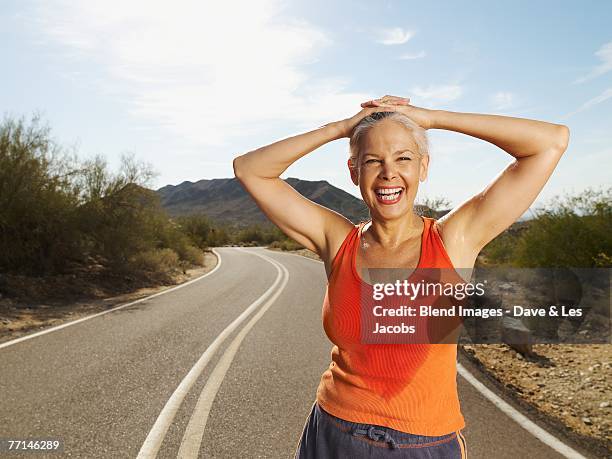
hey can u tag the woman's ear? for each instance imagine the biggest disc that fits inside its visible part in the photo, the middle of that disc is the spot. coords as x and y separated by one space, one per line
353 170
424 167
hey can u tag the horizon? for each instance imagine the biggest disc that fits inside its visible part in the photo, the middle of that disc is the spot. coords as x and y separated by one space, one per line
522 218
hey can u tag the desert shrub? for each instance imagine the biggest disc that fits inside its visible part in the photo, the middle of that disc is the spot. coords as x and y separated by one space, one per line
38 233
158 264
193 255
287 244
218 236
252 234
573 231
122 224
290 244
501 250
60 213
198 228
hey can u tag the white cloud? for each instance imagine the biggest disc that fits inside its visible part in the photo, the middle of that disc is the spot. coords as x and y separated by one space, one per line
438 93
206 71
605 56
411 56
503 100
607 94
394 36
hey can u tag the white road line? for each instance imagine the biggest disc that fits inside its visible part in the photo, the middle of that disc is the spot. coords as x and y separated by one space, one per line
295 255
83 319
192 438
154 439
515 415
519 418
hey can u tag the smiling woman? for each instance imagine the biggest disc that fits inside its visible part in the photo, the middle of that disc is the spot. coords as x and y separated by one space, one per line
391 147
396 400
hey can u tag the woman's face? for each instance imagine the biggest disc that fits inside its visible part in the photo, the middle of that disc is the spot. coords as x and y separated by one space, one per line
389 169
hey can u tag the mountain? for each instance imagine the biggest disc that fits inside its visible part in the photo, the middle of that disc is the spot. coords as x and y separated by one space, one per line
225 200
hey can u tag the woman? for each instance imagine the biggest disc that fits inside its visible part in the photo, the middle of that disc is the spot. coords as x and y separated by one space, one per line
394 400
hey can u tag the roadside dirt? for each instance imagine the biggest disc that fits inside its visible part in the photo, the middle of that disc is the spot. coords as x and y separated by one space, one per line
569 385
19 317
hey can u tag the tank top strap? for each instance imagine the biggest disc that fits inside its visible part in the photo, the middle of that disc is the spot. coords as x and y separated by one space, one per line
343 256
434 253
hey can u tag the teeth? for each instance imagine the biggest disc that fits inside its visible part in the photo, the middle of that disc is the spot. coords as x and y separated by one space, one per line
388 190
389 195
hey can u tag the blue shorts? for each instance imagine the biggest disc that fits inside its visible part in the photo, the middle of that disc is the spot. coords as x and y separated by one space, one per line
328 437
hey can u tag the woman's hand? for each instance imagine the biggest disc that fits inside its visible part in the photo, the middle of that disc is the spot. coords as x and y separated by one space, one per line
422 116
346 126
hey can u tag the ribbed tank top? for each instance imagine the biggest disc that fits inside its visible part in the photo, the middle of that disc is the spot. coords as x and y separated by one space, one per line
408 387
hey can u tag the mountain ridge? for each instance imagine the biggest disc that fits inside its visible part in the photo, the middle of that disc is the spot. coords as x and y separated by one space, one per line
224 200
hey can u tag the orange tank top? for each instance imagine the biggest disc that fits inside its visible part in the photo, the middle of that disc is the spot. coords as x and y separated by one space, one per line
407 387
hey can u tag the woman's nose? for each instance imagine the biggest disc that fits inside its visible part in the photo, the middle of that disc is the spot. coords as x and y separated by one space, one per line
388 170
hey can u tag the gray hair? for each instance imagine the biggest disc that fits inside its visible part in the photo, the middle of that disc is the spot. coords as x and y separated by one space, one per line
418 133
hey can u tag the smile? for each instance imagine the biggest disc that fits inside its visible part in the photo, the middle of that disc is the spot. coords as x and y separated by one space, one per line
388 195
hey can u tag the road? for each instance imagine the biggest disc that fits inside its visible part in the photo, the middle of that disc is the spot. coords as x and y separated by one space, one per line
124 383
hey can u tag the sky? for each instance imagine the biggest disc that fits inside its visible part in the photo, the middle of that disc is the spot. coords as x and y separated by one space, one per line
188 85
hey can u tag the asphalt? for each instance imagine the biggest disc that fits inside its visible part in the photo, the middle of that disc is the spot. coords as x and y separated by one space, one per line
100 385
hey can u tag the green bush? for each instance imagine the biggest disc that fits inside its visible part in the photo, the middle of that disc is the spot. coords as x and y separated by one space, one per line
575 231
252 234
290 244
218 236
38 203
501 250
158 265
60 214
287 244
198 228
193 256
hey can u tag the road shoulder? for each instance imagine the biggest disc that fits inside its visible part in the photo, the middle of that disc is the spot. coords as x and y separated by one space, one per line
17 320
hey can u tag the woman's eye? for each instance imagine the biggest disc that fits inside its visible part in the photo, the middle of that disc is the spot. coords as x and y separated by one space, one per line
370 161
403 158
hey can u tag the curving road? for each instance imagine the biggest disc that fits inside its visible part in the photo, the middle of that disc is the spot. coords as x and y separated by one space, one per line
224 367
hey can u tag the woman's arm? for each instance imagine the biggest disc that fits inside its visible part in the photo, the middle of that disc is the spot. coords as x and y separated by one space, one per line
304 221
272 160
536 146
519 137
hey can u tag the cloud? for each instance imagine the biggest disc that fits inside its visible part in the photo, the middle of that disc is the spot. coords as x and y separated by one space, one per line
502 100
605 56
438 93
197 69
411 56
592 102
394 36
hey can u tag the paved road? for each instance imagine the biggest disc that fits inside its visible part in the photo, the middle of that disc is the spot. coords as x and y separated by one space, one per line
101 385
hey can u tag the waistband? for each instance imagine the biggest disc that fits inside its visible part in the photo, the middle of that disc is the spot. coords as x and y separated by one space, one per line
382 435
